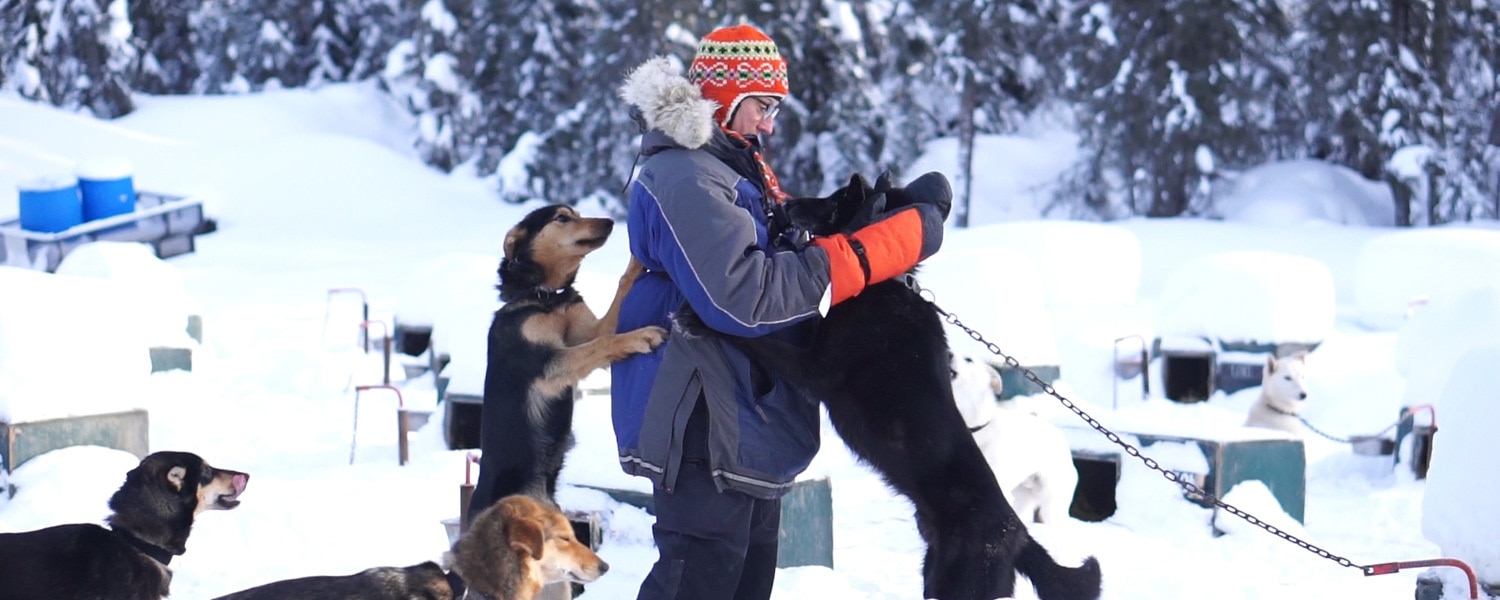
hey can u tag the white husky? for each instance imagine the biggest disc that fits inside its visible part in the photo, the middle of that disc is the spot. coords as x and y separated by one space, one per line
1030 457
1282 394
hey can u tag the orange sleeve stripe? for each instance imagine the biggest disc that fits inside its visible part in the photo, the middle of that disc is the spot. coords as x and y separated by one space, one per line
892 245
843 267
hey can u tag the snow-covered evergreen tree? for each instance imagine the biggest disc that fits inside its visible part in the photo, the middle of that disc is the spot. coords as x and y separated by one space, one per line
987 57
586 138
217 30
433 75
1170 92
1342 56
73 54
162 33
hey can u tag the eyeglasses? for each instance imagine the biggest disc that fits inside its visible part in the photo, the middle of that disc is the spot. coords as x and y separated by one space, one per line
768 108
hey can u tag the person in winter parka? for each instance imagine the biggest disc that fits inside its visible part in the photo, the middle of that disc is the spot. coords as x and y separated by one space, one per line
720 438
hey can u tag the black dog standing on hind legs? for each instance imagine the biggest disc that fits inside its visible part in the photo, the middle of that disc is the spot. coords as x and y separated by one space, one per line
879 363
542 341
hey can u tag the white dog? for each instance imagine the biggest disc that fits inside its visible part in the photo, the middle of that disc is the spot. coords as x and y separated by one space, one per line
1030 457
1282 394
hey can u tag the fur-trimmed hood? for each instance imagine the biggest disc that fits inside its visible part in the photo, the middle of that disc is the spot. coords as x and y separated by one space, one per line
670 103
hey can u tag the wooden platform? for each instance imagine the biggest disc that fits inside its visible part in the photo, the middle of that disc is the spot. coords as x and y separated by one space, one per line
22 441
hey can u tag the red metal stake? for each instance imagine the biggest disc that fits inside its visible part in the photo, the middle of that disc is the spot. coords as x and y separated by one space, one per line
402 428
466 493
1388 568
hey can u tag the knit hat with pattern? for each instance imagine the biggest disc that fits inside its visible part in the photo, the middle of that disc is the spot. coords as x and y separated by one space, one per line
734 63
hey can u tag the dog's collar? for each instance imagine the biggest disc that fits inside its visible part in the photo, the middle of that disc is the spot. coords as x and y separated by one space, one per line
474 595
157 553
544 297
1278 410
976 429
456 584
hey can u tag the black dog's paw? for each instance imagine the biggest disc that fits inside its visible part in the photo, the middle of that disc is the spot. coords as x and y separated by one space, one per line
687 324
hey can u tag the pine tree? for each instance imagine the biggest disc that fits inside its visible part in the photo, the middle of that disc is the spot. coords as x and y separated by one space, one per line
987 58
15 72
585 152
433 75
1342 58
1172 91
218 29
162 33
73 54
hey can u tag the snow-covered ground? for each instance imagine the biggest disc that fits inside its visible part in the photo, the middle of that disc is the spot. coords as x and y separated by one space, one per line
315 191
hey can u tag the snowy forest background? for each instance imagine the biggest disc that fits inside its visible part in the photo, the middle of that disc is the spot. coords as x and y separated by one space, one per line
1167 97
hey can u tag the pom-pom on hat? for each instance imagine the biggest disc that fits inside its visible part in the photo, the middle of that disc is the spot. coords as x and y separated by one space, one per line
734 63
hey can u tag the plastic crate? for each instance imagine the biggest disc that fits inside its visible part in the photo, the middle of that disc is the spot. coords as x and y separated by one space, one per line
167 222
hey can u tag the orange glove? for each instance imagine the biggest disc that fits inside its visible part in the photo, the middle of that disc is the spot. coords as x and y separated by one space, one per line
881 250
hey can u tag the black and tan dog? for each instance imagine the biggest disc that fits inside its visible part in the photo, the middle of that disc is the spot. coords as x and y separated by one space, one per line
541 343
153 513
879 363
425 581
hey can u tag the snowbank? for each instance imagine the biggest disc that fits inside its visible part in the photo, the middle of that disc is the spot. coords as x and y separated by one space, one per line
1298 191
1004 311
1249 296
1396 269
55 325
1013 174
1081 264
134 265
1464 478
1430 343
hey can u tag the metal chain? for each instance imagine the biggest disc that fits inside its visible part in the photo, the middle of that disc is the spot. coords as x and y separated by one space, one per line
1192 489
1349 440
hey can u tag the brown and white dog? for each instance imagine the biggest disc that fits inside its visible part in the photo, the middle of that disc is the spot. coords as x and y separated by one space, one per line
517 546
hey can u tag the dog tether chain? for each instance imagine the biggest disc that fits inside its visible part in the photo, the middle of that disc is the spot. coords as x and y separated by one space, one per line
1191 488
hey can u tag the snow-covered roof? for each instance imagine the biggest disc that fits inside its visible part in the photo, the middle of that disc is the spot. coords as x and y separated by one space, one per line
1009 310
1248 296
1399 269
1438 333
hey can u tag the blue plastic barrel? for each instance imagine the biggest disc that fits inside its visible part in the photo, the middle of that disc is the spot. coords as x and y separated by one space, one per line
50 204
107 187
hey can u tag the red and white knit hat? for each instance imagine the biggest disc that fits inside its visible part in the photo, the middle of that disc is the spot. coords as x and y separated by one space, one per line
734 63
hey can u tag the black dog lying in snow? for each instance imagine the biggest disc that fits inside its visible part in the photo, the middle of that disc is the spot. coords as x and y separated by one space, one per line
879 363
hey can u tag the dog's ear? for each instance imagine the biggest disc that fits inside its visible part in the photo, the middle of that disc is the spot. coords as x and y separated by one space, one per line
884 181
512 238
525 535
1270 364
996 383
858 182
176 476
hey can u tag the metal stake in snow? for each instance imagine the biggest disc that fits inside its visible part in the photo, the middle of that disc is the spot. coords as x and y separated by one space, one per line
385 335
403 423
466 492
1189 487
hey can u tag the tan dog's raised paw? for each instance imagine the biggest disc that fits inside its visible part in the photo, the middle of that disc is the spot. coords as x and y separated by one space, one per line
647 338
